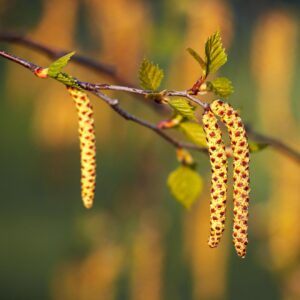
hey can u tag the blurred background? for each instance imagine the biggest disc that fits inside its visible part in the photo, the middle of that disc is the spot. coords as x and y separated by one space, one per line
137 242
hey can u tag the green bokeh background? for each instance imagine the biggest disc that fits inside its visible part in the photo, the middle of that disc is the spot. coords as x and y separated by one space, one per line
41 214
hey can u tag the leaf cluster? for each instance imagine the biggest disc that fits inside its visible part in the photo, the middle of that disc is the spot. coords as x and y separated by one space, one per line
185 183
55 71
215 58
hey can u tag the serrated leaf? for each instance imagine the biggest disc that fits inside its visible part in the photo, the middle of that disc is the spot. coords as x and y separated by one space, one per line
215 54
194 132
197 57
150 75
56 67
256 147
221 86
183 107
185 185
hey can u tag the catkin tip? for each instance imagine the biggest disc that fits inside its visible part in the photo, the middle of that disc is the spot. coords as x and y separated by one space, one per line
218 161
88 205
241 188
212 243
87 145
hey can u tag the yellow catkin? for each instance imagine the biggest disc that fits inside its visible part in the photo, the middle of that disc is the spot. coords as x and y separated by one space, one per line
218 162
87 145
241 177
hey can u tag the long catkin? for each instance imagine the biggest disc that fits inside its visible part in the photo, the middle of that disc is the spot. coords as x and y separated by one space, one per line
87 145
218 162
241 188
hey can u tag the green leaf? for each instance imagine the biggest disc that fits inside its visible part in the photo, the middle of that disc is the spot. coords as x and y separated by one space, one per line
214 53
56 67
183 107
150 75
197 57
185 185
221 86
67 80
256 147
194 132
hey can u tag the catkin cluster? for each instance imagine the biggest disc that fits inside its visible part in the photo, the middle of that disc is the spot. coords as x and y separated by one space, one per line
218 162
240 151
87 145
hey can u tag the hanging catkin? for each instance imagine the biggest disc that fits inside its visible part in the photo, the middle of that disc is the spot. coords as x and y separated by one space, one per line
87 145
218 161
241 187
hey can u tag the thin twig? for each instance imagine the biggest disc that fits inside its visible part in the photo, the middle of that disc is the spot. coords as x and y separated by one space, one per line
113 103
103 69
84 61
138 91
276 144
20 61
197 101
